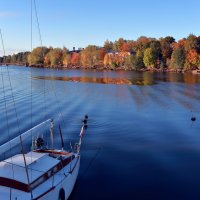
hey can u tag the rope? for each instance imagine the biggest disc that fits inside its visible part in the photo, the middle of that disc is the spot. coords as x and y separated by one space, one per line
31 81
90 163
38 25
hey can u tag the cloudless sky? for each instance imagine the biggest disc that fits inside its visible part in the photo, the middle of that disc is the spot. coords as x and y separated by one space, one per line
77 23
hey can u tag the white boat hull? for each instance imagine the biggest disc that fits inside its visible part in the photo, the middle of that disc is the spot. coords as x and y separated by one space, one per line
67 185
58 187
41 174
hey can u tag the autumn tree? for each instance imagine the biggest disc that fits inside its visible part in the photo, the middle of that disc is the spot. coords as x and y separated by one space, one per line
67 59
7 59
106 60
166 49
126 47
178 58
150 57
47 62
131 62
192 50
102 53
198 45
75 59
117 46
20 58
142 43
192 42
55 57
108 46
90 56
36 57
192 59
128 54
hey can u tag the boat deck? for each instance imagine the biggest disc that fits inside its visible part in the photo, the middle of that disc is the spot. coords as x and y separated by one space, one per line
40 167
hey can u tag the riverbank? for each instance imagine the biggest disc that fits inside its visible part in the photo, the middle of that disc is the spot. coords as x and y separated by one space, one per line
108 68
123 68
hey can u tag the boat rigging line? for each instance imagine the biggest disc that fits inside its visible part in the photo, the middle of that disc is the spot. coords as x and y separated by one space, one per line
6 112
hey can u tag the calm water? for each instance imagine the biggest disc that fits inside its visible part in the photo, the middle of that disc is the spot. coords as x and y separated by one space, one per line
140 143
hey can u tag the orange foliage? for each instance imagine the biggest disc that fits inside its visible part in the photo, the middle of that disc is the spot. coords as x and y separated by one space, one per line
106 60
180 43
75 59
126 47
102 53
47 60
117 58
193 58
67 60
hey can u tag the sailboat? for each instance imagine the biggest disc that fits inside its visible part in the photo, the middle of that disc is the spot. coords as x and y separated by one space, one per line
42 172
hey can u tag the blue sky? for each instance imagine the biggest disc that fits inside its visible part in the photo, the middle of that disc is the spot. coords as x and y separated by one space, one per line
81 22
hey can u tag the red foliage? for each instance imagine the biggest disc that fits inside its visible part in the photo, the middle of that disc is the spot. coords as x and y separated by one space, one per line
193 57
102 53
180 43
126 47
75 59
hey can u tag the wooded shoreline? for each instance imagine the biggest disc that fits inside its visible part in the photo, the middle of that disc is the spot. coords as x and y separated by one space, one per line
107 68
144 54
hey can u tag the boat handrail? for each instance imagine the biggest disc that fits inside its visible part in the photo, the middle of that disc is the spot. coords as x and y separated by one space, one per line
14 142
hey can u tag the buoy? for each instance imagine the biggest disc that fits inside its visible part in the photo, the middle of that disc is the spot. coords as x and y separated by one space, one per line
193 119
85 121
86 126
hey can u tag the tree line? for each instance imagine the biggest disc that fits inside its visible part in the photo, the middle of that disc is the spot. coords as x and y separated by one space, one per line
143 53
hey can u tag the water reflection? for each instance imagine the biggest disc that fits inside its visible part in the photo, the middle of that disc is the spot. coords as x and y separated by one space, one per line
156 90
188 78
125 78
103 80
144 123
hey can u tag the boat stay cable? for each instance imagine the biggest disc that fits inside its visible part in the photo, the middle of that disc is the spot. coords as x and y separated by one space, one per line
31 45
33 10
34 7
6 113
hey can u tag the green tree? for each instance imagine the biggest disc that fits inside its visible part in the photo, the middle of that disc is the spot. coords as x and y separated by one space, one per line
166 49
139 60
90 56
55 57
129 62
108 46
67 59
178 58
14 58
156 49
150 57
190 43
118 45
142 43
36 57
7 59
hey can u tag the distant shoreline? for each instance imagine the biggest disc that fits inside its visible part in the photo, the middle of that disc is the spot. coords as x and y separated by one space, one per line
107 68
